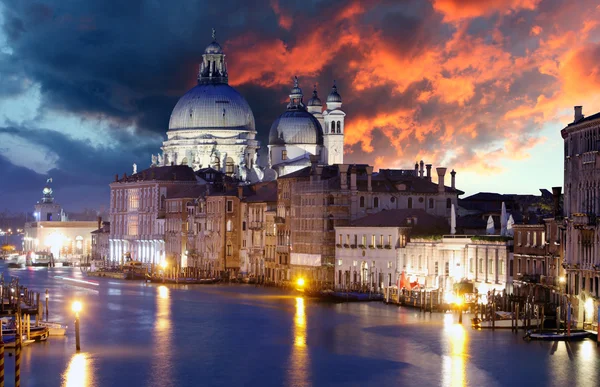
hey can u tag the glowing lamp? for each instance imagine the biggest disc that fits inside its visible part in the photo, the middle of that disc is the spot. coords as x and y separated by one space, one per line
76 306
300 282
163 264
562 280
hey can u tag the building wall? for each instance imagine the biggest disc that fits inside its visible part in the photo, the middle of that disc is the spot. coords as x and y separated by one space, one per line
63 239
582 205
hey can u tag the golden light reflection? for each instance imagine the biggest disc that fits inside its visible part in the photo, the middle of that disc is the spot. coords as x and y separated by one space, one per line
454 367
299 364
78 372
162 349
163 292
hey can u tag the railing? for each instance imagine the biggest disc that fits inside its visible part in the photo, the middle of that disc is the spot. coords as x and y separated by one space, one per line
581 219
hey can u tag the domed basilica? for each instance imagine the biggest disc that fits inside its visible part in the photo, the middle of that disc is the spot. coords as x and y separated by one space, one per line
212 125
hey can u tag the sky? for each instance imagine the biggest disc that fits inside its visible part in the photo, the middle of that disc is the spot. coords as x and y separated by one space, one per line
479 86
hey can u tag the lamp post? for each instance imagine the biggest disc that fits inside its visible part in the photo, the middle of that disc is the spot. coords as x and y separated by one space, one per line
77 308
163 264
47 297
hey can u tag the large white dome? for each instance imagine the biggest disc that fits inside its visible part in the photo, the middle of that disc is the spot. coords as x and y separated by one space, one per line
212 106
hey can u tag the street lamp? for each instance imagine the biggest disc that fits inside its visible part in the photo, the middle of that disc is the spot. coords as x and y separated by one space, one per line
77 308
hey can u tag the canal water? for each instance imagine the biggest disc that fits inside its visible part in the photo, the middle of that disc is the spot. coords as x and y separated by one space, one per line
137 334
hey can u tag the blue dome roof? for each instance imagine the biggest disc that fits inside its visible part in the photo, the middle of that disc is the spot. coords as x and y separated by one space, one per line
212 106
296 127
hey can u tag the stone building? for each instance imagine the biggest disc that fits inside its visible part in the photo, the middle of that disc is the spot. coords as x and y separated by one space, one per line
581 207
101 241
138 211
53 233
324 197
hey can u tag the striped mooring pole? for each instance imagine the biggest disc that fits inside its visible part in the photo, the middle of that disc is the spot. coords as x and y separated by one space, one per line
1 359
18 347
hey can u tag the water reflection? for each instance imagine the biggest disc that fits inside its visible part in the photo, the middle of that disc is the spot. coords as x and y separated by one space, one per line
162 363
78 373
299 368
453 366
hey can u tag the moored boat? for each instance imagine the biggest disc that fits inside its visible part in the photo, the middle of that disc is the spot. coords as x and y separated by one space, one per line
553 335
54 329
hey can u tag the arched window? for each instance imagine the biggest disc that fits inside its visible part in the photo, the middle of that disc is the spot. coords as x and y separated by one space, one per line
339 127
376 202
330 200
409 202
362 201
244 226
448 203
184 161
229 225
332 126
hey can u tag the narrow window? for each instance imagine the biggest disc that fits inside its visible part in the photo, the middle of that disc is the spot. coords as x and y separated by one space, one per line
448 203
376 202
430 203
230 206
409 202
362 201
284 154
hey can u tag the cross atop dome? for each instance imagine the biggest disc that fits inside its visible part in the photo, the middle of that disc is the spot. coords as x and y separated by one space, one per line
296 96
214 34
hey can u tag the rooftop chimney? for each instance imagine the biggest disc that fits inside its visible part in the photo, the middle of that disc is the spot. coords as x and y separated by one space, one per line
353 178
578 113
441 173
556 191
428 166
369 175
416 169
99 222
421 168
240 192
453 179
343 175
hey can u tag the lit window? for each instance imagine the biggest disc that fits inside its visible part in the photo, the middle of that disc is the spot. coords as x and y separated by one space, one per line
284 154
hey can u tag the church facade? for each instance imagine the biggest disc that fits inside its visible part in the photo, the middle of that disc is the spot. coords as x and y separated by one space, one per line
212 126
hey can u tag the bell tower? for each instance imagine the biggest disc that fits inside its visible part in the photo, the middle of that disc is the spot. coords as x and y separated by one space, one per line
333 129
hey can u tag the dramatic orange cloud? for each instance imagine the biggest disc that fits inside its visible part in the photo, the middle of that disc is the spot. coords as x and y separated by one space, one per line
465 9
463 95
284 19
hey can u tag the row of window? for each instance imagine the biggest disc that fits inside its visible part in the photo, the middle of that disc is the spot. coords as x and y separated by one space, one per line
431 202
336 127
532 238
373 240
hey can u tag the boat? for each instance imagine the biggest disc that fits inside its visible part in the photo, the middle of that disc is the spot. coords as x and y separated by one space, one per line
36 333
553 335
10 342
54 329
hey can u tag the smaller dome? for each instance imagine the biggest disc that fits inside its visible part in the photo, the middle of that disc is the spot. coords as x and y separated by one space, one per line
213 48
296 127
334 96
315 100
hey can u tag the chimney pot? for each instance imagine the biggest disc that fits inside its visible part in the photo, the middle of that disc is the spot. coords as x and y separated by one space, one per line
421 163
240 190
578 113
369 175
453 179
428 166
353 178
343 168
441 173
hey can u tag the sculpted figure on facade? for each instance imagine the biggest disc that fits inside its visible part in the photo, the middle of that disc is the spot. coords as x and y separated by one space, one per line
154 160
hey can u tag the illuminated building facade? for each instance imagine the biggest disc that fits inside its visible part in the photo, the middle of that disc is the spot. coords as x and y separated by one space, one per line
581 209
52 233
138 211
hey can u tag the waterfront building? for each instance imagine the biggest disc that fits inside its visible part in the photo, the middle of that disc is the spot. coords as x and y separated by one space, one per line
101 241
138 211
368 251
581 207
179 212
52 232
322 198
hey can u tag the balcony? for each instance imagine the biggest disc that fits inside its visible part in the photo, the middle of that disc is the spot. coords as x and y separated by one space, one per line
279 220
256 226
581 220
